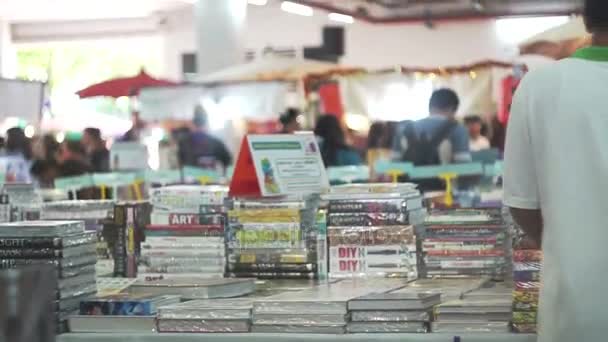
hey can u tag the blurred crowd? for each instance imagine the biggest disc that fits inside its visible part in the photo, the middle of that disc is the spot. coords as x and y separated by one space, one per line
437 139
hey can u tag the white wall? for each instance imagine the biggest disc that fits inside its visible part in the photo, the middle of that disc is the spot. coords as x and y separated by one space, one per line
371 46
8 56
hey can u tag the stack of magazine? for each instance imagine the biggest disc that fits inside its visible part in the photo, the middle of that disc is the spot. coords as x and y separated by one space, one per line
186 236
371 230
401 311
473 316
526 275
465 242
119 313
322 309
206 316
273 238
63 244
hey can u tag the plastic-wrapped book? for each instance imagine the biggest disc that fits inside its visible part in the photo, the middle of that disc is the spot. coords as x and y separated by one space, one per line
196 288
223 315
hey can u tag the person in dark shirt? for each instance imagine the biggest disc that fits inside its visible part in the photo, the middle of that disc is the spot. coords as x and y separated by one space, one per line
332 143
95 147
201 149
73 160
134 133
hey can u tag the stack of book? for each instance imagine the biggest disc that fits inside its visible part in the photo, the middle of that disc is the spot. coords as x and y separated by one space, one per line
28 311
401 311
123 235
321 309
119 313
526 275
465 242
273 238
62 244
473 316
185 238
23 201
371 230
94 213
207 316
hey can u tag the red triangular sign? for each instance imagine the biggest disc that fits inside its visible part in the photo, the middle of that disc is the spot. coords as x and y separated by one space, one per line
244 180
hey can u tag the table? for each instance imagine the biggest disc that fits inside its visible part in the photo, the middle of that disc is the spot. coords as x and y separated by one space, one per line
151 337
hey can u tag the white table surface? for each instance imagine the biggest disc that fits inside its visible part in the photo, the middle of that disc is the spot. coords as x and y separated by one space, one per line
293 338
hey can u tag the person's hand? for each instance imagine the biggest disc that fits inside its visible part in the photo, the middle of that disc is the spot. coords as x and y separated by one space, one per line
528 242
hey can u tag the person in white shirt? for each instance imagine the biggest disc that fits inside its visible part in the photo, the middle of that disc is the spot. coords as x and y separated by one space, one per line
477 142
556 167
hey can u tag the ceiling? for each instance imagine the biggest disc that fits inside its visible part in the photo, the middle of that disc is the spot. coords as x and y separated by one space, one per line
45 10
387 11
377 11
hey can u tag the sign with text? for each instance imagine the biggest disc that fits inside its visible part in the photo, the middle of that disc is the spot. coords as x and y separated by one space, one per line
277 165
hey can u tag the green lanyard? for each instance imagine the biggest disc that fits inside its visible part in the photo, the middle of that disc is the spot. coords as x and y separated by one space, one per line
592 53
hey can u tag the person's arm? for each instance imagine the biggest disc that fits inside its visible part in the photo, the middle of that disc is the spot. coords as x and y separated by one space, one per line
531 222
224 155
521 192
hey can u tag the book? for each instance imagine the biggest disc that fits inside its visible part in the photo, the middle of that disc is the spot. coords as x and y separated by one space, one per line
203 326
79 280
41 228
111 324
48 242
152 277
196 288
166 261
273 275
387 327
299 319
367 219
47 253
183 252
470 327
279 267
184 231
397 300
126 305
390 315
370 236
298 329
209 309
181 269
60 263
323 299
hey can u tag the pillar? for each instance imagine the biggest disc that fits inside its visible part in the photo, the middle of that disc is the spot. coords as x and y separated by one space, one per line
220 34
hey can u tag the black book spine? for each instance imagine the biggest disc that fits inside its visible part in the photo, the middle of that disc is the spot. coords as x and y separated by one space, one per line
30 243
30 253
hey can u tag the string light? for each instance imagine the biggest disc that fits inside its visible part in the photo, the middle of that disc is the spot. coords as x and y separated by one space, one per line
473 74
432 75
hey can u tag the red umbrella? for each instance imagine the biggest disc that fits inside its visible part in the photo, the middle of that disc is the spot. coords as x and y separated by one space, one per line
124 86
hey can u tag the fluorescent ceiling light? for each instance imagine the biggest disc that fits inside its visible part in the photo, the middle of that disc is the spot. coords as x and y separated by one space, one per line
257 2
293 8
341 18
